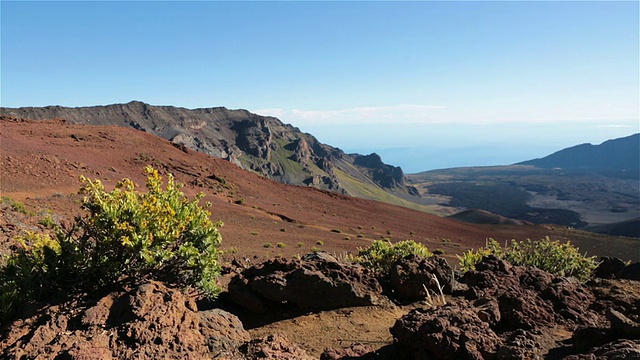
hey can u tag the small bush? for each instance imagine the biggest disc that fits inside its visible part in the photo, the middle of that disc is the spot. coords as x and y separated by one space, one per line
125 236
336 231
281 245
319 242
17 206
48 222
315 249
267 245
382 254
300 244
551 256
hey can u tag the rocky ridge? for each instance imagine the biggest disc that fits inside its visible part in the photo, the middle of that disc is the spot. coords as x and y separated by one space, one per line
498 312
261 144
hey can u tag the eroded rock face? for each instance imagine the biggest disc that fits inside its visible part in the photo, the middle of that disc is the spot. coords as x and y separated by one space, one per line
529 297
318 281
521 344
410 276
151 321
453 331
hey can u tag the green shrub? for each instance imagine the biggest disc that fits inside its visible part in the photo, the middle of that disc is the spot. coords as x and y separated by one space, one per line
267 245
300 244
281 245
17 206
380 255
124 236
319 242
48 222
551 256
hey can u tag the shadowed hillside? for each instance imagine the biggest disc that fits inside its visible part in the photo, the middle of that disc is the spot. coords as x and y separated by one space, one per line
618 155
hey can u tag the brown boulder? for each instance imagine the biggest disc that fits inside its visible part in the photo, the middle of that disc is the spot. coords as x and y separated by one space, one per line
529 297
453 331
318 281
410 275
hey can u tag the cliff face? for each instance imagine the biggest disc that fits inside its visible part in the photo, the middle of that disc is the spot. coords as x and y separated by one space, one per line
257 143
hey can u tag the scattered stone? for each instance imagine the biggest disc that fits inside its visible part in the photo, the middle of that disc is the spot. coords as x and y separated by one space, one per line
354 351
273 347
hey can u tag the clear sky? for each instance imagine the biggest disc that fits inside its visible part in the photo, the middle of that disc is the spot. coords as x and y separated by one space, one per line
424 84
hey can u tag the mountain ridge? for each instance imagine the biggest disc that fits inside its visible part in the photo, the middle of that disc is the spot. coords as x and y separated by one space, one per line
262 144
620 154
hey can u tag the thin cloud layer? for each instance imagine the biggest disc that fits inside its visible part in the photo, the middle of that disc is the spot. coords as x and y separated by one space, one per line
370 115
437 114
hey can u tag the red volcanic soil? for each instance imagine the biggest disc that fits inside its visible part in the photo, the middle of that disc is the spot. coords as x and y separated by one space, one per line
42 160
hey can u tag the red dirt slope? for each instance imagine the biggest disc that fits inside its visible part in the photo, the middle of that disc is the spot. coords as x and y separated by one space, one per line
42 161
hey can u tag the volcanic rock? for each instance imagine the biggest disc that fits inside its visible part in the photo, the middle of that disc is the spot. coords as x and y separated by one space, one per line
616 350
354 351
318 281
274 347
609 268
529 297
410 276
151 321
453 331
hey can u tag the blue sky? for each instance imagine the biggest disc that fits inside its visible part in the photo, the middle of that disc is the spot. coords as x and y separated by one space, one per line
424 84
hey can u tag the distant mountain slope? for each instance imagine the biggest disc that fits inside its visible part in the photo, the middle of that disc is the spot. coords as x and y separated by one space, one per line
629 228
617 154
258 143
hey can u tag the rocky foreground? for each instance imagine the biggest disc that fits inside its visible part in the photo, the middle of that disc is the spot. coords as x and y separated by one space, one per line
498 311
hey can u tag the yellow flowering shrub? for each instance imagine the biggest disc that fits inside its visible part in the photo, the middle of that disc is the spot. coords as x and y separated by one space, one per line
380 255
125 235
560 259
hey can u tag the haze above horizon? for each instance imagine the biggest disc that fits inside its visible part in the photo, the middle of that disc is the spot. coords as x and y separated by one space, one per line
424 84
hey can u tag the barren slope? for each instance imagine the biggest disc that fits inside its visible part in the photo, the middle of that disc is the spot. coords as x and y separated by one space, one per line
42 160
